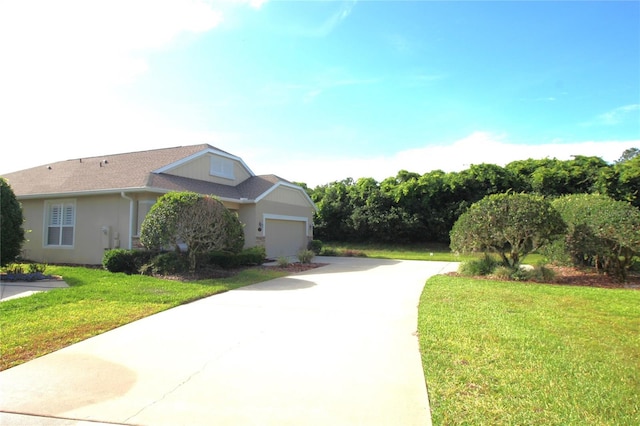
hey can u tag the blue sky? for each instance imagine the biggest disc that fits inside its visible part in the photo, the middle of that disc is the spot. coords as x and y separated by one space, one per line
317 91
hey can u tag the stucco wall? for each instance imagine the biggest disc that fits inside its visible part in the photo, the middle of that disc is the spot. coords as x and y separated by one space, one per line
198 168
91 215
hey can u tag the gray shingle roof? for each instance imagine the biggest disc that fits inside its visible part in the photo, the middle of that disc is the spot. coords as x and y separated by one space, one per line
117 172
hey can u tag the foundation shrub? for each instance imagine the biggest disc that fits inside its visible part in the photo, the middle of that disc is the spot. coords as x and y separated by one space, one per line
315 246
126 261
305 256
485 265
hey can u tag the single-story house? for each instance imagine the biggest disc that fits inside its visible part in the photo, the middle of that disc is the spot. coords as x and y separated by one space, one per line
76 209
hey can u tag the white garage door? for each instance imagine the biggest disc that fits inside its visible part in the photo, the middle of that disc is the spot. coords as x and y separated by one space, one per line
284 237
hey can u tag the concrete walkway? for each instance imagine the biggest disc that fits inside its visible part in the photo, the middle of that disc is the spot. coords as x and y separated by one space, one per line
12 290
332 346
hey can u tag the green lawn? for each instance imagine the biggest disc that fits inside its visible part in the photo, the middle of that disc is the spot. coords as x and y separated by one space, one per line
428 251
505 353
97 301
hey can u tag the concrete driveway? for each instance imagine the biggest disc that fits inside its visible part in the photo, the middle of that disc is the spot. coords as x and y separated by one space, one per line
332 346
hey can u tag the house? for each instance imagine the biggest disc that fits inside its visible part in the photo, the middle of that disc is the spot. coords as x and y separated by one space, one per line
76 209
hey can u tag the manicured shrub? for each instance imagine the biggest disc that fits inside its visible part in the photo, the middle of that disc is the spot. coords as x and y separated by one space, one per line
315 246
169 263
201 222
12 234
602 232
248 257
511 225
119 260
253 256
305 256
127 261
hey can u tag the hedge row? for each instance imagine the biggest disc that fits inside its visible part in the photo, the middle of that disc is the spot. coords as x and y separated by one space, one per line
163 263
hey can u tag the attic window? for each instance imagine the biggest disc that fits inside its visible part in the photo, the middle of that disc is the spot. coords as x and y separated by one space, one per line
221 167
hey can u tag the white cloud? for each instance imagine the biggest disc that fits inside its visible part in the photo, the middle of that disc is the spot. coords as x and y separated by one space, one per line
477 148
63 65
618 115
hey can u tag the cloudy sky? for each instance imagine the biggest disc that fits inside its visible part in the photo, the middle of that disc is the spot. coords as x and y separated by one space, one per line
318 91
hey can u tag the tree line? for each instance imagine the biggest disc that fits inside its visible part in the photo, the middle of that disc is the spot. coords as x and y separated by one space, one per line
414 208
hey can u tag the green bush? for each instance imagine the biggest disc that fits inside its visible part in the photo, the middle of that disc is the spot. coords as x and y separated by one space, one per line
556 253
127 261
503 273
511 225
119 260
11 219
305 256
283 261
602 232
200 222
543 274
253 256
35 268
486 265
227 260
222 259
328 251
168 263
522 274
315 246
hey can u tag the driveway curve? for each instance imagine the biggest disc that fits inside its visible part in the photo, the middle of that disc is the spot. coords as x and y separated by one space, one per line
335 345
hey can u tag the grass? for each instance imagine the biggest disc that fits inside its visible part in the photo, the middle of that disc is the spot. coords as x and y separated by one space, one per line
428 251
504 353
97 301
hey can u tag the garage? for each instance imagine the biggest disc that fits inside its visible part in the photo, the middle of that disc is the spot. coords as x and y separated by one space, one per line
284 237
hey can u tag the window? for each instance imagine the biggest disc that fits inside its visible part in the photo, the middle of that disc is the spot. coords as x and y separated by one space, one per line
61 220
222 167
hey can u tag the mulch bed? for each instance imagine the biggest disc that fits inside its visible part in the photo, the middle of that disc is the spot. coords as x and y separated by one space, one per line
586 277
591 278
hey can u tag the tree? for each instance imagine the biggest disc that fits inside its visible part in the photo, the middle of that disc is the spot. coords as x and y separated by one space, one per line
511 225
201 222
11 222
602 232
628 154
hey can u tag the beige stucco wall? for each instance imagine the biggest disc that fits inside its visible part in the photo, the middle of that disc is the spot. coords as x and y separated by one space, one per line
247 215
285 201
91 214
198 168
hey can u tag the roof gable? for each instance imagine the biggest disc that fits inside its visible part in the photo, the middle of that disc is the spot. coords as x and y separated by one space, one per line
206 152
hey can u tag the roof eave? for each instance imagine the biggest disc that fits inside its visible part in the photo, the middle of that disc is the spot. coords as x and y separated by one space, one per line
119 191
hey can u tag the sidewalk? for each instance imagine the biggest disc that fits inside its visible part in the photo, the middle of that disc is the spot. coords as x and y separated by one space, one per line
332 346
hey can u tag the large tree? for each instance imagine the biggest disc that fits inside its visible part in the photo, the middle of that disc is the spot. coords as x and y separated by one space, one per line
511 225
11 222
200 222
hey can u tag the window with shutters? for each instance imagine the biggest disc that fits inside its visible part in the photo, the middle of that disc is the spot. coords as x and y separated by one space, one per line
60 223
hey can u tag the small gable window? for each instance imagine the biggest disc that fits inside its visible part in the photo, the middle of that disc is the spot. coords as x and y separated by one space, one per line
221 167
60 223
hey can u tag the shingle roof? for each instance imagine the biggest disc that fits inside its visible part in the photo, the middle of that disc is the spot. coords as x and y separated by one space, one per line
134 170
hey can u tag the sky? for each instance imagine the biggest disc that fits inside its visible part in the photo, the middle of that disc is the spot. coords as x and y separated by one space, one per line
320 91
